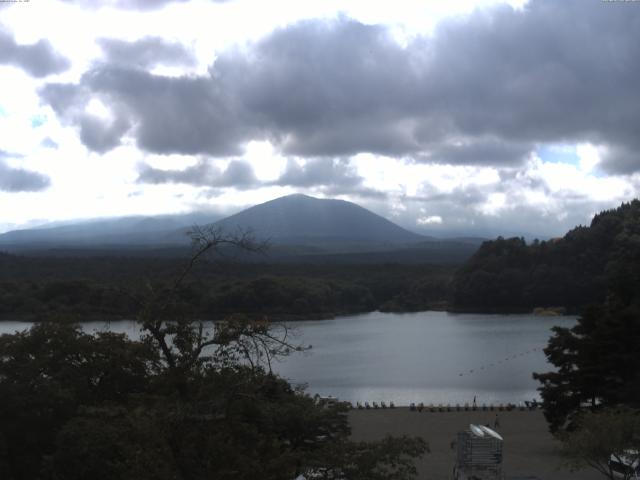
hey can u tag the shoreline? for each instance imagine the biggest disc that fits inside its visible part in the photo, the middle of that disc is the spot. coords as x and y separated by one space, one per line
76 317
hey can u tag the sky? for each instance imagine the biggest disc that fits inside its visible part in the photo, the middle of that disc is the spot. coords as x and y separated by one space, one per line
475 117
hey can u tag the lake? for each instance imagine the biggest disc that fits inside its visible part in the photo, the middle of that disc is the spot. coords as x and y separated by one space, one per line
430 357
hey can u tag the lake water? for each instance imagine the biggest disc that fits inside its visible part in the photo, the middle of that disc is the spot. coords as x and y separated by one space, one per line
430 357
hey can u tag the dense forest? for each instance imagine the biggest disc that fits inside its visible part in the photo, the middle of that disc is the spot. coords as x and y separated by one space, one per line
509 275
41 288
504 275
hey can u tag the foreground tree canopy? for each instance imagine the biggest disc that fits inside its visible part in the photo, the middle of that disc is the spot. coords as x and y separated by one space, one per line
185 401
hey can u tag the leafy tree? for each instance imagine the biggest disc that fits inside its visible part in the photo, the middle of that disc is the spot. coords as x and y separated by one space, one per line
47 373
603 436
187 401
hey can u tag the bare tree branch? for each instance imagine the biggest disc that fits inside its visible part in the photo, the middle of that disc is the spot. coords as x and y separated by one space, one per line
185 343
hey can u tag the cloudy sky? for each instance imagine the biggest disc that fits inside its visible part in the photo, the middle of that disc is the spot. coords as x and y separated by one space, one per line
457 116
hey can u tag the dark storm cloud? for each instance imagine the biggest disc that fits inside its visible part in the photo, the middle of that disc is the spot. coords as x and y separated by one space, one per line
366 194
330 177
145 53
102 135
328 88
555 71
622 158
237 174
319 171
20 180
37 59
515 77
500 79
478 151
277 92
187 115
66 99
97 134
327 176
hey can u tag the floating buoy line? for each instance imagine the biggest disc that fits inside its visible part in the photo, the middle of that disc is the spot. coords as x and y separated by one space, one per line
499 362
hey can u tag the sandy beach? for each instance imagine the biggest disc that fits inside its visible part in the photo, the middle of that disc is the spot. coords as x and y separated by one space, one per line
530 452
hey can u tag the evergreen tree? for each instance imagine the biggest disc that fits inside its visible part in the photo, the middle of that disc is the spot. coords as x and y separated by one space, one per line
598 360
597 364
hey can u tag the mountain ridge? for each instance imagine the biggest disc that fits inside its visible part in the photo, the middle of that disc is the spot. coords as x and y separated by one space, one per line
295 219
109 231
302 219
298 228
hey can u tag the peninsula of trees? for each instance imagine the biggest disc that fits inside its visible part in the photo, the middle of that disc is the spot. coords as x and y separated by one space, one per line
509 275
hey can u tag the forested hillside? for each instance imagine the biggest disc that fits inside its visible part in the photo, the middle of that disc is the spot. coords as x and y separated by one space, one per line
40 288
574 271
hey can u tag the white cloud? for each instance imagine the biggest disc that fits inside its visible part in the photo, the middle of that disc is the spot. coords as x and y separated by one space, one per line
589 156
267 164
433 219
97 108
494 204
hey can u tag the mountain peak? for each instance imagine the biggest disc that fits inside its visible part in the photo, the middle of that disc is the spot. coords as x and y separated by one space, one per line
302 197
296 219
300 218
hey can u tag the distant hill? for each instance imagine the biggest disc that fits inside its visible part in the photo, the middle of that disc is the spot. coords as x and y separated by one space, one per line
303 220
112 232
299 228
571 272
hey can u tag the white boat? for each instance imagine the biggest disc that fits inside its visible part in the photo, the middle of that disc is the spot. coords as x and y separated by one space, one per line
491 432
